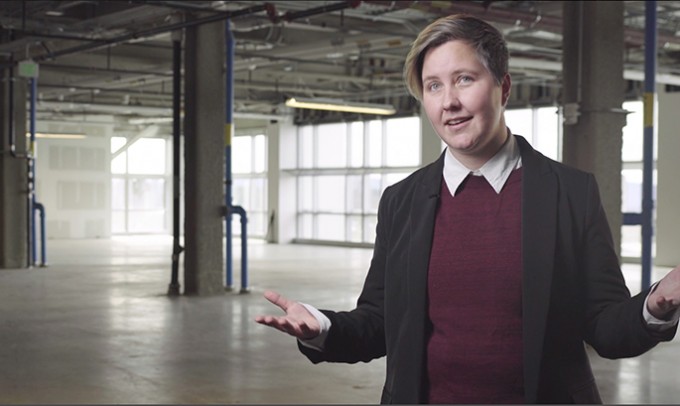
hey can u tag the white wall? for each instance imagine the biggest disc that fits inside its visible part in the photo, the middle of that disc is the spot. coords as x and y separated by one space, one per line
282 144
668 186
73 181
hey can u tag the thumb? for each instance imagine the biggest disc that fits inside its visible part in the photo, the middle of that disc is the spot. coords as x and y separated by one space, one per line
278 300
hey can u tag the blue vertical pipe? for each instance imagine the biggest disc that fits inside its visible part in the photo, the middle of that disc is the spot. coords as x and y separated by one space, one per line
648 143
31 171
244 247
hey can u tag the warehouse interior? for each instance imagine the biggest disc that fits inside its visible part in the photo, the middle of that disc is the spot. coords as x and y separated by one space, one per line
155 180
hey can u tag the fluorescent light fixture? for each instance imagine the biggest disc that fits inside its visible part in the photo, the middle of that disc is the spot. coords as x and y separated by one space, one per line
150 120
58 136
339 105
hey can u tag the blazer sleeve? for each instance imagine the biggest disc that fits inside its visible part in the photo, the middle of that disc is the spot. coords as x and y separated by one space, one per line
615 326
359 335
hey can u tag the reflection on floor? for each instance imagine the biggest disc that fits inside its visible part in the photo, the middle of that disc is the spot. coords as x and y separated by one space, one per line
96 326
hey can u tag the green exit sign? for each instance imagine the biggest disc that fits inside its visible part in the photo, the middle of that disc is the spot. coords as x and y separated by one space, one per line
28 69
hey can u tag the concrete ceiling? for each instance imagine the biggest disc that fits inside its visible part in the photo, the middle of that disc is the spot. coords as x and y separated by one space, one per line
115 57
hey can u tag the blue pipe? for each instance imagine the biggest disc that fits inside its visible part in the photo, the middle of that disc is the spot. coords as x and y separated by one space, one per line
648 143
244 246
228 133
43 250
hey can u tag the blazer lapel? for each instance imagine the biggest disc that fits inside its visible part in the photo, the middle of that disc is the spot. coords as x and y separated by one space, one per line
421 219
421 225
539 229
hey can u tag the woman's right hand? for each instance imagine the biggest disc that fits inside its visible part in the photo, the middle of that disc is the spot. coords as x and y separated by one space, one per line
297 321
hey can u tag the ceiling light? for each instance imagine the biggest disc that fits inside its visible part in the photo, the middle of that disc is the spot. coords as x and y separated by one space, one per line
150 120
339 105
54 13
58 136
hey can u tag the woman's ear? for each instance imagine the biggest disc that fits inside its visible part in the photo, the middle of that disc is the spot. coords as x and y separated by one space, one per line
506 86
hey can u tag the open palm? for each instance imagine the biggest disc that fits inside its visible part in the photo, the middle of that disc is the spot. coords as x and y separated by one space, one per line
297 321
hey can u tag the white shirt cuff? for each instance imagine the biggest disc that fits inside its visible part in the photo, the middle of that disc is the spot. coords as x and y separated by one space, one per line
317 343
655 324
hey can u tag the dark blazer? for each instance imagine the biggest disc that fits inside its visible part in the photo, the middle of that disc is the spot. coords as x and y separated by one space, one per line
572 287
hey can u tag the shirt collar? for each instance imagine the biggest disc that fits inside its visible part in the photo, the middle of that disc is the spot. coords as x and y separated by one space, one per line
496 170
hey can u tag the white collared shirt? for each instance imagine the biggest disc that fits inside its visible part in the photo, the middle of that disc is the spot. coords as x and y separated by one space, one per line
496 170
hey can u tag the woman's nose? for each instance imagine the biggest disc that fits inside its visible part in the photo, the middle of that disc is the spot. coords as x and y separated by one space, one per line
450 101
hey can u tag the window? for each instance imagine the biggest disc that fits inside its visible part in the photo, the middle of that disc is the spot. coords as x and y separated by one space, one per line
138 185
631 178
249 188
541 127
343 168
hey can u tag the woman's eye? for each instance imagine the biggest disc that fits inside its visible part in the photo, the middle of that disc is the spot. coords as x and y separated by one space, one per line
434 86
465 79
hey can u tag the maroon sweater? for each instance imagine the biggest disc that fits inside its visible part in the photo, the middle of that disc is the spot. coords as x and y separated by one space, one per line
474 352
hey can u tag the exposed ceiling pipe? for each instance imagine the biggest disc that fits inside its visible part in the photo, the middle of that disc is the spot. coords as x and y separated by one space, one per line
506 16
153 31
628 74
294 15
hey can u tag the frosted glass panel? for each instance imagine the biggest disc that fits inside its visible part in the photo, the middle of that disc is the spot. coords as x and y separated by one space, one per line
306 146
118 221
117 143
520 122
305 226
259 154
240 193
241 155
372 191
354 230
330 227
330 193
119 163
256 225
631 190
354 194
374 144
344 169
332 145
356 142
147 157
146 194
146 221
117 194
305 193
258 194
546 138
402 141
633 132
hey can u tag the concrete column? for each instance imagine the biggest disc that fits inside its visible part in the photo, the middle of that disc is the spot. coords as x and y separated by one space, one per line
430 143
14 250
282 148
204 120
593 79
668 188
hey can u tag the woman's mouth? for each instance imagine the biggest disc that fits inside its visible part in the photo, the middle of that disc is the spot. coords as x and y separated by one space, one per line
456 122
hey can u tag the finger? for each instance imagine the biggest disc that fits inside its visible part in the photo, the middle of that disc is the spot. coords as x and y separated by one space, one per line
287 326
277 299
279 323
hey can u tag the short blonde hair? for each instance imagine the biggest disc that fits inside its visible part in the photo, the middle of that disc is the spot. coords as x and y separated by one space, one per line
487 41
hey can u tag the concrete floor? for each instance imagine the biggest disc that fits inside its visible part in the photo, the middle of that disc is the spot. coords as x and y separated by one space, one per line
97 327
